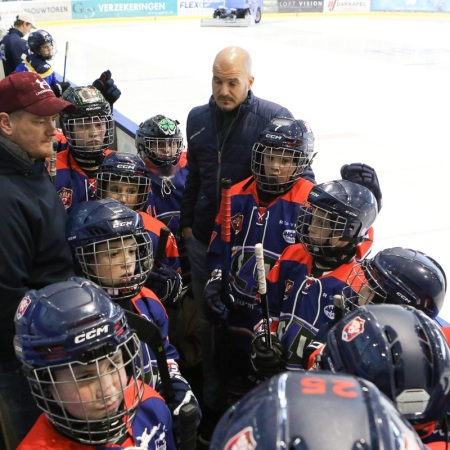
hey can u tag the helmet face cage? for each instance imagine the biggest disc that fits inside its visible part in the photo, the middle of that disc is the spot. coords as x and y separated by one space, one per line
284 150
160 140
97 420
90 130
39 38
120 265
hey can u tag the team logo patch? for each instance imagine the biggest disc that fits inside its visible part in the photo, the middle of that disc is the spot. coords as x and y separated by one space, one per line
353 329
329 311
288 285
243 440
22 307
66 196
236 222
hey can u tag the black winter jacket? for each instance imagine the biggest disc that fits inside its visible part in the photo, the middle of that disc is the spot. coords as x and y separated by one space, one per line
33 247
13 49
208 163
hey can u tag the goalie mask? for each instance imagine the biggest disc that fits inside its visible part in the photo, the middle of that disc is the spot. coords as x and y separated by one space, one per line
282 413
41 43
90 130
284 150
124 177
401 276
160 140
72 340
401 350
335 212
111 246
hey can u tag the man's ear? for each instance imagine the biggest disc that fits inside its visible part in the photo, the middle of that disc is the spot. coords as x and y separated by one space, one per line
5 124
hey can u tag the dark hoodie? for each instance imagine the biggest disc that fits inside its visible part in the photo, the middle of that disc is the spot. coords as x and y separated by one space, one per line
33 248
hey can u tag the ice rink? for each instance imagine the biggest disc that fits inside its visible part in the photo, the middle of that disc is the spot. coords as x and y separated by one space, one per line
375 89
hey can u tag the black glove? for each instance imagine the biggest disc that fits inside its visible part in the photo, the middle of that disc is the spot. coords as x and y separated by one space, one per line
266 361
166 283
213 307
364 175
59 88
183 396
105 84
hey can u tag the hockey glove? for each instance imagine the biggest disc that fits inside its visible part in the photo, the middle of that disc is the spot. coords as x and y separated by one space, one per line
59 88
183 396
214 308
105 84
166 283
365 176
266 361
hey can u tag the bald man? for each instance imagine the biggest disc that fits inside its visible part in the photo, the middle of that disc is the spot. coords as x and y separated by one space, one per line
220 136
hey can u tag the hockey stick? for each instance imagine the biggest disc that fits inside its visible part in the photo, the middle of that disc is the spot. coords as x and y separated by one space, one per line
262 289
160 254
225 212
65 60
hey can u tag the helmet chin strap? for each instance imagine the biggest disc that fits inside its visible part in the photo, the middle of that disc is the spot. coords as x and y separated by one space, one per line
335 257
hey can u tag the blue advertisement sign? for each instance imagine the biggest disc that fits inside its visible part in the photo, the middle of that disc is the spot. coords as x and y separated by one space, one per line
97 9
411 5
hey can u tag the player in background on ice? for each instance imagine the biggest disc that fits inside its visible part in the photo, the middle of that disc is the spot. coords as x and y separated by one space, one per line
42 50
282 413
331 224
405 354
89 132
91 390
112 248
124 177
159 142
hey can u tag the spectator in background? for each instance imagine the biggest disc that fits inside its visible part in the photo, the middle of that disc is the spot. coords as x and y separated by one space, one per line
42 50
33 248
13 48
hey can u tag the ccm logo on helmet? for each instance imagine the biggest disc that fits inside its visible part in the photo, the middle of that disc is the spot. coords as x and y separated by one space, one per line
91 334
274 136
122 224
124 166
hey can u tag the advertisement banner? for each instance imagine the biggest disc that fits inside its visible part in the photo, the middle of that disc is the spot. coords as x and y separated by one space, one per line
346 6
122 8
411 5
289 6
198 8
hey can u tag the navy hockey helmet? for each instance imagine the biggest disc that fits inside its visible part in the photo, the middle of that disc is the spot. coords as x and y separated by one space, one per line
37 39
111 246
282 413
399 275
335 211
90 130
73 326
160 140
285 148
401 350
124 177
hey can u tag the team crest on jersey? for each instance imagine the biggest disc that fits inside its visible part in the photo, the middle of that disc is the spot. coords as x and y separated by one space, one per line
236 222
66 196
243 440
22 307
353 329
288 285
261 213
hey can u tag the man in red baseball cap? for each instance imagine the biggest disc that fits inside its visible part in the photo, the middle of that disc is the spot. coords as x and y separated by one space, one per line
33 247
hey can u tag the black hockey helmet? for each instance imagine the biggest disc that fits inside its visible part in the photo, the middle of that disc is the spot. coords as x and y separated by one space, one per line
287 142
38 38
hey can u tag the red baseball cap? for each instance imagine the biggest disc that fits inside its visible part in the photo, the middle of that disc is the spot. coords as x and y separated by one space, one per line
27 91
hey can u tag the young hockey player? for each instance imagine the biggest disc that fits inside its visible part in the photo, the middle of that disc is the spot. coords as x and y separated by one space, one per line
42 50
113 249
301 286
84 367
124 177
404 353
282 413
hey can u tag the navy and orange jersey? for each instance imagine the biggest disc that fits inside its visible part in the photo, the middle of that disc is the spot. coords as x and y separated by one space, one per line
37 64
153 226
72 183
148 305
165 198
273 226
299 304
152 424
